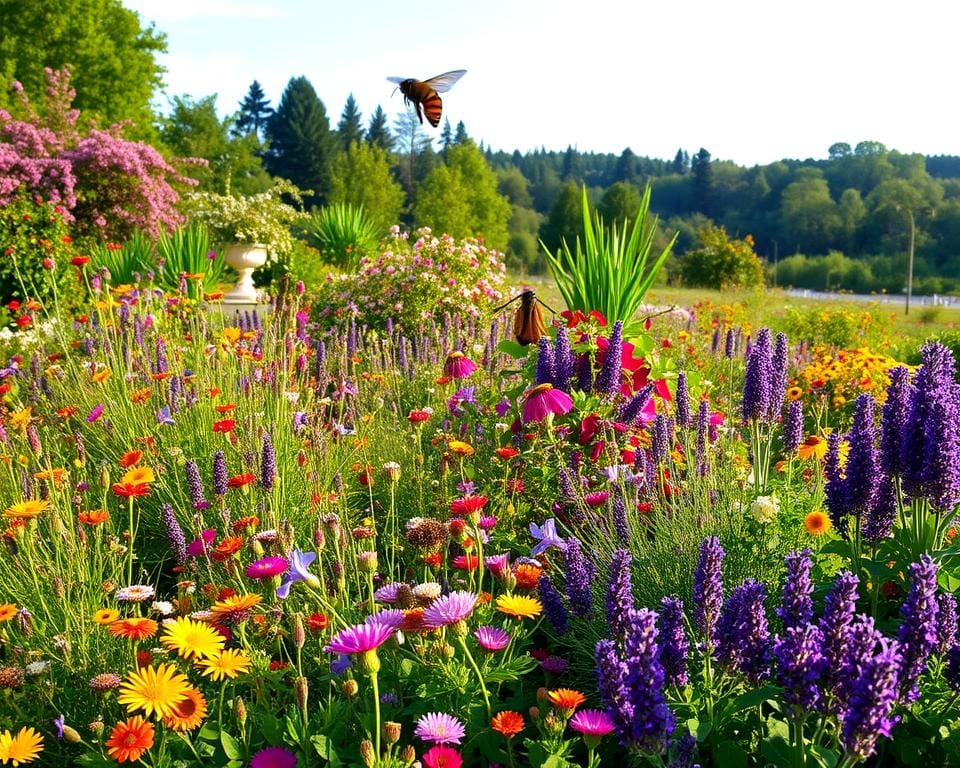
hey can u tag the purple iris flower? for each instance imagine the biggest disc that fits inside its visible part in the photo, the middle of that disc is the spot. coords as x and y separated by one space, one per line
546 536
299 563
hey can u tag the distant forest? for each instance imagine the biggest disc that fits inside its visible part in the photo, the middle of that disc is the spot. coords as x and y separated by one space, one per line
839 223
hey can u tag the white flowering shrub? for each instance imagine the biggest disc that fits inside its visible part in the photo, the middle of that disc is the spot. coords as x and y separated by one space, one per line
264 219
412 283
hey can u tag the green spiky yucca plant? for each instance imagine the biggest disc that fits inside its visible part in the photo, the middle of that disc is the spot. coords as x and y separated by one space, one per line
611 269
342 233
187 251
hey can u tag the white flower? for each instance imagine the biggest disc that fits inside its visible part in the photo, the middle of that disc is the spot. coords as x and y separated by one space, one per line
765 509
163 607
37 667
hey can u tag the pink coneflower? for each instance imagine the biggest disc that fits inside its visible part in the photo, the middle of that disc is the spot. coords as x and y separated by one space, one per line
544 400
274 757
442 757
440 728
95 413
458 366
597 498
449 609
267 567
199 547
360 638
487 523
492 638
592 722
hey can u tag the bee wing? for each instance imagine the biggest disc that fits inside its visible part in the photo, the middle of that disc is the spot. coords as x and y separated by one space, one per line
443 83
397 80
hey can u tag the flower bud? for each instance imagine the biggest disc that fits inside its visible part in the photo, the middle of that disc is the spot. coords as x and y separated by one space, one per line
96 727
367 562
350 688
534 713
367 753
299 633
70 735
241 711
391 732
408 755
302 689
392 470
369 661
104 477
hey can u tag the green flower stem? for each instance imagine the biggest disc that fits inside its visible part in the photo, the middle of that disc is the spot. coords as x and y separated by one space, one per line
376 712
130 541
510 753
476 669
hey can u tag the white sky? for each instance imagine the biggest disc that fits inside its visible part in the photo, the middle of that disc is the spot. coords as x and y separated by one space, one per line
753 81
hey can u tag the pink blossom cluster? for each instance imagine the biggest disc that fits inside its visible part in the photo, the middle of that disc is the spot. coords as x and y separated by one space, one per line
108 185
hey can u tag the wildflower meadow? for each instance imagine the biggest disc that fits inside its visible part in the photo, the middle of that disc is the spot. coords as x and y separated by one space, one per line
360 524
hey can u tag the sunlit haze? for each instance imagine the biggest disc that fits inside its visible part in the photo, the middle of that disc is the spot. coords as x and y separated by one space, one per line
751 81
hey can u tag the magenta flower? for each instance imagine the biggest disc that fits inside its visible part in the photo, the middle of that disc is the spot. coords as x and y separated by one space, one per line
387 593
392 618
458 366
592 722
267 567
449 609
498 565
544 400
274 757
360 638
440 728
198 547
442 757
95 413
492 638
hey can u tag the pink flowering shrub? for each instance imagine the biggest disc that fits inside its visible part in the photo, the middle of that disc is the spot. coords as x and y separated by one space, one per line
412 283
107 185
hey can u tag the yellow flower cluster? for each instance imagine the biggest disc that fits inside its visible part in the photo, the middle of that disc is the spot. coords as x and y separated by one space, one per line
841 375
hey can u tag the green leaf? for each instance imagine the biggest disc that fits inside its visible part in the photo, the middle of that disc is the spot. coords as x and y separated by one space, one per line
827 758
325 749
512 348
729 754
231 747
752 698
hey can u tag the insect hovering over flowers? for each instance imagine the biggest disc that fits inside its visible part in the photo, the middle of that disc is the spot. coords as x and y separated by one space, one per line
424 93
528 324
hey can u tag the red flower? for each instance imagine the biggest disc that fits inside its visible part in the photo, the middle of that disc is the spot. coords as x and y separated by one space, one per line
127 490
13 305
433 559
79 261
467 505
24 321
466 562
419 416
317 622
225 425
507 452
238 481
589 426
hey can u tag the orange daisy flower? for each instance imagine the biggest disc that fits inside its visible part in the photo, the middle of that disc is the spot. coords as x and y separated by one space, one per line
130 739
93 517
812 447
566 699
7 611
126 490
234 609
106 616
138 476
134 628
130 458
238 481
225 408
140 396
508 723
251 521
227 548
189 713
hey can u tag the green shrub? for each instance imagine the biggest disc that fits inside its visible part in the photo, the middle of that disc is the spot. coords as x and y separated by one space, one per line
722 263
32 230
126 261
186 252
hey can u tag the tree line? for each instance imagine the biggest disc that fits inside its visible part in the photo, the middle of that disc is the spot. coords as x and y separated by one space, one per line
843 221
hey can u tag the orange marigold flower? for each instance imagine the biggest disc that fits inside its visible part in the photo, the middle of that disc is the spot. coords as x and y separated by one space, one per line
140 396
234 609
106 616
508 723
527 575
507 452
138 476
130 739
226 408
189 713
817 523
251 521
57 475
134 628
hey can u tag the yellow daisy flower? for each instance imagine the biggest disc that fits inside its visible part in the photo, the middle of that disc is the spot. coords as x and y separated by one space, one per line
26 509
230 663
191 638
519 606
154 690
22 747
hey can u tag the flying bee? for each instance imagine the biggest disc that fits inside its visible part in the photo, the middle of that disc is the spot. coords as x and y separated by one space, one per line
423 94
528 324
